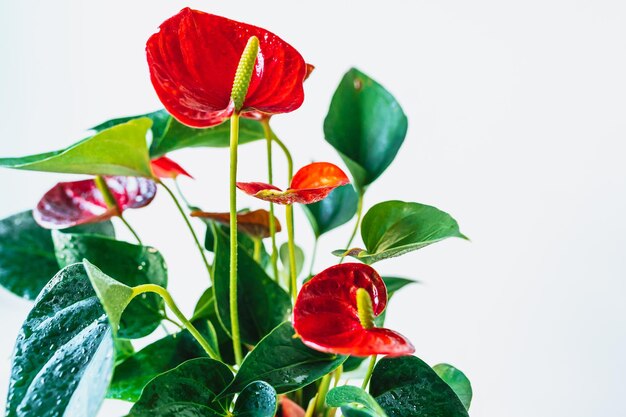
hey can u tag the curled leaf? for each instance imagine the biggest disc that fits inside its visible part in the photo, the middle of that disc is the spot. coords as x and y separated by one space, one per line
255 223
312 183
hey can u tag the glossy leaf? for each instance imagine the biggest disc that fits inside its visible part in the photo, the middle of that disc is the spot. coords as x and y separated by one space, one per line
255 223
366 125
119 150
134 373
258 295
258 399
283 361
79 202
327 319
312 183
63 358
164 167
457 381
130 264
333 211
393 228
27 258
407 387
160 121
283 253
193 40
354 401
187 390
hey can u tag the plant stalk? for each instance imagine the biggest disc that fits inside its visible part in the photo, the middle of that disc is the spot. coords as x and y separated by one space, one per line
111 203
370 369
359 212
270 178
234 312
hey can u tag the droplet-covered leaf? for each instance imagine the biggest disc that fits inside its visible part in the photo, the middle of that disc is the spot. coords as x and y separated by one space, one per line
354 402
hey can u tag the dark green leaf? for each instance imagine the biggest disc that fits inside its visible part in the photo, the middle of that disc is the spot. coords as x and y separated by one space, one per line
407 387
366 125
244 241
179 136
393 228
132 375
457 381
129 264
284 362
262 303
123 350
354 402
27 259
283 254
119 150
64 352
256 400
188 390
338 208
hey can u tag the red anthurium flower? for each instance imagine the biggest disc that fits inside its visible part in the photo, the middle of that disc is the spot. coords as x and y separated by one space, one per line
289 408
72 203
327 316
164 167
311 184
193 60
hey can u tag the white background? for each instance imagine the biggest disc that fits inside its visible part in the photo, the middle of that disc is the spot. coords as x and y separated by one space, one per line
517 128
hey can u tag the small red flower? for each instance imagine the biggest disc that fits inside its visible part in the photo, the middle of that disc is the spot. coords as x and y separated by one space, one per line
164 167
326 315
311 184
72 203
193 59
289 408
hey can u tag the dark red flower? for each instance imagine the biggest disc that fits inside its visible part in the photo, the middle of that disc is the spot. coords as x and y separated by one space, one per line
326 315
193 59
72 203
311 184
164 167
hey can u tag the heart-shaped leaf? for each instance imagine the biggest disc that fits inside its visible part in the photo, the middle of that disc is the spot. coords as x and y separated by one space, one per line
407 387
257 294
134 373
366 125
27 259
187 390
129 264
283 361
457 380
338 208
393 228
354 402
119 150
64 354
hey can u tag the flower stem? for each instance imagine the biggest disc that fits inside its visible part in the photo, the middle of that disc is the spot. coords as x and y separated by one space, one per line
270 177
234 312
370 369
145 288
321 393
111 203
359 212
129 227
313 255
193 233
257 249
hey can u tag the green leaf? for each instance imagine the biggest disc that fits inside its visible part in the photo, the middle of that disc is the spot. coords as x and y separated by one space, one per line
394 284
393 228
283 361
113 295
127 263
457 380
256 400
262 303
123 350
335 210
160 120
63 357
27 259
354 402
366 125
187 390
244 241
408 387
119 150
134 373
283 254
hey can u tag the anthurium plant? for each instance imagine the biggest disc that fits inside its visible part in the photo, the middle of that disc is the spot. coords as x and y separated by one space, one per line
266 338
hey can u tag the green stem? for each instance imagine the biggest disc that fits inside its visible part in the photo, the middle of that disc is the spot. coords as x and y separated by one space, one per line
311 408
257 249
193 233
234 312
313 255
370 369
111 203
270 177
129 227
145 288
321 393
182 196
359 212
